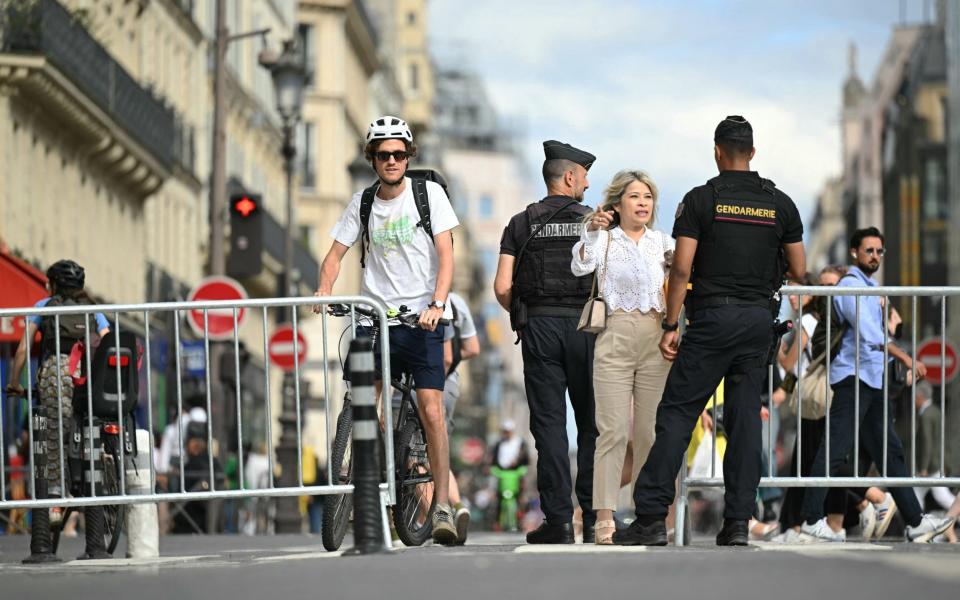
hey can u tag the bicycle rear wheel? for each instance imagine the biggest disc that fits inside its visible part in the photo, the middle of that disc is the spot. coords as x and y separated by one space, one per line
415 499
337 507
113 514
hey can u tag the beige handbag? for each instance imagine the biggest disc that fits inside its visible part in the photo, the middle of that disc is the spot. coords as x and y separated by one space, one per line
813 393
593 319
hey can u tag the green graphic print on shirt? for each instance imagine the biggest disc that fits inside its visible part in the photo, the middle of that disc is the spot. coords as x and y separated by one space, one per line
393 234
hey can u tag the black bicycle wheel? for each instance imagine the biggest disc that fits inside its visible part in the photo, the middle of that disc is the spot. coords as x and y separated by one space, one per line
55 530
337 507
113 514
415 500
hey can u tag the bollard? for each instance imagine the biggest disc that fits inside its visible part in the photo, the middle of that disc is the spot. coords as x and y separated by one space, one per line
41 544
142 526
367 520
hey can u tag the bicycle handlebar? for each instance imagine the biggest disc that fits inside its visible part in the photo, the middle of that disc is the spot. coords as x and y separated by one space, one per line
402 316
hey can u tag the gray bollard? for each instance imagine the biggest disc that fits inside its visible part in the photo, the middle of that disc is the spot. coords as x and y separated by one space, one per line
367 523
142 522
41 544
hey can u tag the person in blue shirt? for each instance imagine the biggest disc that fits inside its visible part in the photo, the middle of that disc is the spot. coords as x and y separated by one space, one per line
866 247
65 281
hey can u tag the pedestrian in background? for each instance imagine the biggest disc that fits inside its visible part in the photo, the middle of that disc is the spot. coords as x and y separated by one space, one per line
629 261
732 235
863 356
545 300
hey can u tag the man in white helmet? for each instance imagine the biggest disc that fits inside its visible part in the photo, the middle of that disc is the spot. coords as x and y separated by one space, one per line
404 265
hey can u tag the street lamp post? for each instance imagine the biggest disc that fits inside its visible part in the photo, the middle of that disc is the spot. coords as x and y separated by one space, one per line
289 77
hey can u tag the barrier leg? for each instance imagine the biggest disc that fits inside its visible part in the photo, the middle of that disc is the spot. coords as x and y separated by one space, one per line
367 516
384 503
680 520
41 544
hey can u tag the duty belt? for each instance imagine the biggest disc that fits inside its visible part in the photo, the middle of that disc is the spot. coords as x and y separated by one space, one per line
698 303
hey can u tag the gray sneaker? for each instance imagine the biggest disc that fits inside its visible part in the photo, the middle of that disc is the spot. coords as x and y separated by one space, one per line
462 521
929 528
885 512
444 531
821 532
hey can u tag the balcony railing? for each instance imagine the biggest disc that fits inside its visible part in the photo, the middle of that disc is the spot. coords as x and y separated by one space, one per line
45 27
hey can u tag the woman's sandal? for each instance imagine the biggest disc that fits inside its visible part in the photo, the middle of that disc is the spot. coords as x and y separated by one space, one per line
604 531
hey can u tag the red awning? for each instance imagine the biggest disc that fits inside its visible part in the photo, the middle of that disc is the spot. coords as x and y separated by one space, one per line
21 285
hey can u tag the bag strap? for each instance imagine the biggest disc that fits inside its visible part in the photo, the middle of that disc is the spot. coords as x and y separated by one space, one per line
366 206
523 246
603 277
422 201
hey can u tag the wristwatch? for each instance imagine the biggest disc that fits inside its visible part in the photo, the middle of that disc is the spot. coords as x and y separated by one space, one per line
437 304
668 327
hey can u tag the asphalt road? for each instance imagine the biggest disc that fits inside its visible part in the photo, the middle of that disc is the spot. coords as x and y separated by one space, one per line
490 566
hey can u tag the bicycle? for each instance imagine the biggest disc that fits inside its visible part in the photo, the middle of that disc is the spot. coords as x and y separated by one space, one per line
414 481
509 485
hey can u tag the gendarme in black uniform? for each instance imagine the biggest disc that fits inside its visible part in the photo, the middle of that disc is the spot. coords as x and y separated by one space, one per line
740 222
556 357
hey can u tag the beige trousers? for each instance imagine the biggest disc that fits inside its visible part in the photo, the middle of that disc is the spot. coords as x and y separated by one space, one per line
629 374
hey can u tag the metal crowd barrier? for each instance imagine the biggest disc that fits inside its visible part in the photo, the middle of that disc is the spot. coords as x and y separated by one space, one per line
769 479
388 489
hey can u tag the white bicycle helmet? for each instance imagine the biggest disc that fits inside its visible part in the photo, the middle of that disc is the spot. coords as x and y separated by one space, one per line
389 128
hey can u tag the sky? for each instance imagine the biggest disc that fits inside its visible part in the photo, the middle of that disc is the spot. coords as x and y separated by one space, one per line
643 84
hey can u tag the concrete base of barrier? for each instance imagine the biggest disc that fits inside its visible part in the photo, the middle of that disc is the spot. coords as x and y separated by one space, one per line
142 520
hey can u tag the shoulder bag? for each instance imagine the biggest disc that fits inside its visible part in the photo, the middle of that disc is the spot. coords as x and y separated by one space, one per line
593 319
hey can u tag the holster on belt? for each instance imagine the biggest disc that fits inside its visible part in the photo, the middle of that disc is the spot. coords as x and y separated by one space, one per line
518 316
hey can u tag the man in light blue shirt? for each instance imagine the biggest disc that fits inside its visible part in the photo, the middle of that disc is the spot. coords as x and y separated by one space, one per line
866 247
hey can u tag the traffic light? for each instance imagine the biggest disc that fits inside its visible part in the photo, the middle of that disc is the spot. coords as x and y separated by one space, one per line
246 235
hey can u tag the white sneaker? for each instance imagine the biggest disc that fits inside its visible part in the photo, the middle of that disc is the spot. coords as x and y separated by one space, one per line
885 512
788 537
822 532
868 522
929 528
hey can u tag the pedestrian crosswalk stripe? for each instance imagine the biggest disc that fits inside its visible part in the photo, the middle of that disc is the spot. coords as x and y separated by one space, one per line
577 549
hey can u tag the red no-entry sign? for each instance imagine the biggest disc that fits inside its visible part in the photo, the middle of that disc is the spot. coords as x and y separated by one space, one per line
928 352
219 320
281 347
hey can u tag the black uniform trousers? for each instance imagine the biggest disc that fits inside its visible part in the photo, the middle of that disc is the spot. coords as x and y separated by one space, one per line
725 341
558 358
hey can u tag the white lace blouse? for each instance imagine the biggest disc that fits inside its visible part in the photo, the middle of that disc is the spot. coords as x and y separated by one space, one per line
637 270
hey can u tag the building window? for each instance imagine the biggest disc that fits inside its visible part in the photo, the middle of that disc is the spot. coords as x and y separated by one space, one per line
306 155
305 43
485 207
488 260
934 190
414 77
411 18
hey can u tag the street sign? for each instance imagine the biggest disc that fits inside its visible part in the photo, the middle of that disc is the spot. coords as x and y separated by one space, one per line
281 347
194 357
219 320
472 451
928 352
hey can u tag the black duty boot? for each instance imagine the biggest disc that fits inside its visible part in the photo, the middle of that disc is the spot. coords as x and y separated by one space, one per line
734 533
654 534
551 534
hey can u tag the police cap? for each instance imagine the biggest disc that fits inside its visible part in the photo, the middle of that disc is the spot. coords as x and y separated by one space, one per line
734 130
552 149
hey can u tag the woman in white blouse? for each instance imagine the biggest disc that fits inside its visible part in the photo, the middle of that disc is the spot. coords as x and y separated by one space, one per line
628 370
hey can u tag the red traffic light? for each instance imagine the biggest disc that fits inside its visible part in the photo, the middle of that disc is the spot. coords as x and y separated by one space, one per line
244 206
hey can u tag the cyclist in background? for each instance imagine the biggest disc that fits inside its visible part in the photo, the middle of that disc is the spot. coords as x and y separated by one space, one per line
508 460
404 266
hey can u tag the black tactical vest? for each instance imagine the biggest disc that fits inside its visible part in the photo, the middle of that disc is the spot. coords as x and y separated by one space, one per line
543 275
740 256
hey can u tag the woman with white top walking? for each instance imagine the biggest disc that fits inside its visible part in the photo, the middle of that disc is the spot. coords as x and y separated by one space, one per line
630 261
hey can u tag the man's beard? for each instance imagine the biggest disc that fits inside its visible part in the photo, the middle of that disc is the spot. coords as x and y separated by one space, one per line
396 181
868 268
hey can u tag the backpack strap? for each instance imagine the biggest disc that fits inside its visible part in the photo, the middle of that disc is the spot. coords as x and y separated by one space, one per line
366 207
456 343
422 200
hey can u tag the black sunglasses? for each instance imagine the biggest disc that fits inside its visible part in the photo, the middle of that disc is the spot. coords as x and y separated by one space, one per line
398 155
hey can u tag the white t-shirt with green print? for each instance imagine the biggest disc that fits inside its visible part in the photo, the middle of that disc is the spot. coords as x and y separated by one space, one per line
402 261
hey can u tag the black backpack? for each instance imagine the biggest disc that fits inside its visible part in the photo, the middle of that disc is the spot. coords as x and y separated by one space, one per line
419 178
70 329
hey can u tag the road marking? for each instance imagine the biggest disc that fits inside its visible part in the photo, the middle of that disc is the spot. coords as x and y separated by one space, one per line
577 549
300 556
821 548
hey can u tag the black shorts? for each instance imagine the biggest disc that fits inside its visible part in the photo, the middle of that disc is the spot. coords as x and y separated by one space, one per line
416 351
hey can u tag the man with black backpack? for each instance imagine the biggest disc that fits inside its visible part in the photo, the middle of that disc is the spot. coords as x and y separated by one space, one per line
403 224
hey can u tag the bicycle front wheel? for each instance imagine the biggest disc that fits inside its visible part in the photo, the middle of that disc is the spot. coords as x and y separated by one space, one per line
415 499
337 507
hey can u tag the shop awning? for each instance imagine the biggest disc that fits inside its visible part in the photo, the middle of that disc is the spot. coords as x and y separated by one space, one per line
21 285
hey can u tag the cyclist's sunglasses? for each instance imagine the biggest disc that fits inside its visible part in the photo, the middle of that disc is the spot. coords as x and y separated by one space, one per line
398 155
